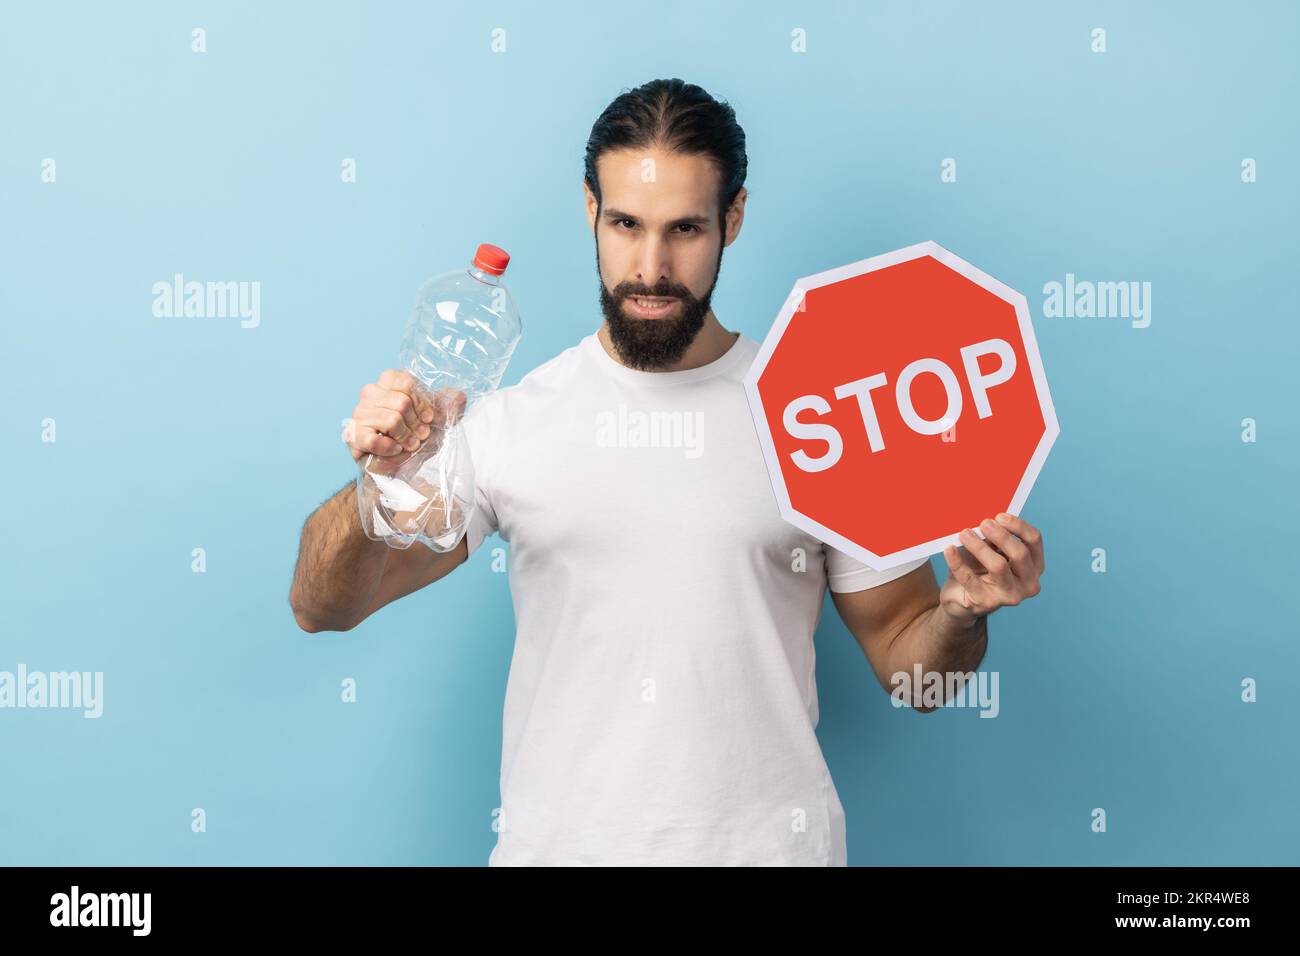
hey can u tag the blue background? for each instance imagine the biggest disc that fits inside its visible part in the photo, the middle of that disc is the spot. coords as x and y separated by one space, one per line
1118 690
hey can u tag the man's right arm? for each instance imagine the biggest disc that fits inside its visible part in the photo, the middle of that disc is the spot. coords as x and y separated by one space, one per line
342 577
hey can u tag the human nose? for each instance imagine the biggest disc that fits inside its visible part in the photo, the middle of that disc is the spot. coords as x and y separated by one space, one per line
653 262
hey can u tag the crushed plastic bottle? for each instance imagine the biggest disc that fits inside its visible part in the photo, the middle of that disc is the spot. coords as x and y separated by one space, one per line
458 341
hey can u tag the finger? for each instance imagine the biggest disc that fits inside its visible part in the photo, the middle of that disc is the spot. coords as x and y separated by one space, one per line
385 420
448 404
1029 535
970 560
975 567
965 576
1012 548
380 465
370 442
406 382
459 401
999 571
399 402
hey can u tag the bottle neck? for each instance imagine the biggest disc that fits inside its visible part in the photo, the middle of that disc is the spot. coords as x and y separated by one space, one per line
482 275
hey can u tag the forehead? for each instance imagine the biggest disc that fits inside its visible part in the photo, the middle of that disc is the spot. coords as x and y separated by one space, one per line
656 185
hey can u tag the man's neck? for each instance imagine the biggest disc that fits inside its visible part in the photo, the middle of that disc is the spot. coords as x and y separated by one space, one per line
711 343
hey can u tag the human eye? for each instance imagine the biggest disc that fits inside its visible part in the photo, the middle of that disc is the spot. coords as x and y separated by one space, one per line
621 221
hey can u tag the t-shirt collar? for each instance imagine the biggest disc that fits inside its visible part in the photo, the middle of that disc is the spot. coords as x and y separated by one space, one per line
633 376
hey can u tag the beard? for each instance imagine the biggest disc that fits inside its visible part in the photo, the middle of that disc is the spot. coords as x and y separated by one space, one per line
652 344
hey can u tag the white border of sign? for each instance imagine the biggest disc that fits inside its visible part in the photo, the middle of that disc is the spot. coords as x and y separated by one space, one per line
806 284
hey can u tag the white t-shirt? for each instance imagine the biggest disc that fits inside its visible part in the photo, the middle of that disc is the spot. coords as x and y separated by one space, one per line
661 703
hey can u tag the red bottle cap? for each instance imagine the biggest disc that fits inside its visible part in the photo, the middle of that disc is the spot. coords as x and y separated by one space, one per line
491 259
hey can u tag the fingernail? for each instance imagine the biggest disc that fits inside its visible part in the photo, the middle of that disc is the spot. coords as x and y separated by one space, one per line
1004 517
427 414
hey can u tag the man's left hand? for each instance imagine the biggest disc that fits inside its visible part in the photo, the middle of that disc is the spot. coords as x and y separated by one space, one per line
1000 571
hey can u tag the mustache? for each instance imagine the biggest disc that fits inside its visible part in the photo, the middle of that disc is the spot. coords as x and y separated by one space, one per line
659 293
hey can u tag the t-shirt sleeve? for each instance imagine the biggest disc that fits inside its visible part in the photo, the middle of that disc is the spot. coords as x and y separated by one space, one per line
481 436
845 573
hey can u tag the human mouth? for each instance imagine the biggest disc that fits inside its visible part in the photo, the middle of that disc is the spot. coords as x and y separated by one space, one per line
649 307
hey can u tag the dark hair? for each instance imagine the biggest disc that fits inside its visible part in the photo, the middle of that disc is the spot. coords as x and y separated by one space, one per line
678 117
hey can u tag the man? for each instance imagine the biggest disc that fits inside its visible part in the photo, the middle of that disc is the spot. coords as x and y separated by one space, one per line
661 706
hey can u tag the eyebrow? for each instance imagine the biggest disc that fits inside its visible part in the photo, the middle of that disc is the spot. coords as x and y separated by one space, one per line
685 220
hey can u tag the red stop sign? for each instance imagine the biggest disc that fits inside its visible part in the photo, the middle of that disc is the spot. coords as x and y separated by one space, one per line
898 400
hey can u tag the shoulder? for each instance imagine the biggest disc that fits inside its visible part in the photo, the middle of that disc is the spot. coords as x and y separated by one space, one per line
509 401
553 373
748 348
740 357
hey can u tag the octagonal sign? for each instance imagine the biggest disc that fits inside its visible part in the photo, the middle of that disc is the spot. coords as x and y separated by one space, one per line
898 400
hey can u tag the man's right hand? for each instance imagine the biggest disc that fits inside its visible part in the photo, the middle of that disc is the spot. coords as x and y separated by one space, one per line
397 414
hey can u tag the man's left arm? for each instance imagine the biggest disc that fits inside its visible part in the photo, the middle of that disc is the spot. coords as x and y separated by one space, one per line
912 621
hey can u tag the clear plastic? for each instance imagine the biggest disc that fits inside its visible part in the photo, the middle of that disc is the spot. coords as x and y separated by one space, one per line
457 344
